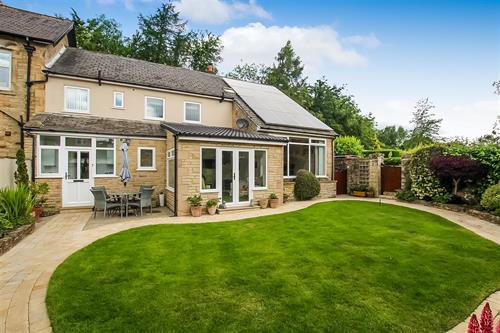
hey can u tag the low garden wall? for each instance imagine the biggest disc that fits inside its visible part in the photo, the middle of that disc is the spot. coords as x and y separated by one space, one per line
15 236
328 189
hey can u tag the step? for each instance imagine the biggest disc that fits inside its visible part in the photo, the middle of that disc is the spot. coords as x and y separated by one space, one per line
233 210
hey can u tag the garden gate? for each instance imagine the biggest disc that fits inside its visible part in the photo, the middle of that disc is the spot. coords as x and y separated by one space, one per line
340 175
391 178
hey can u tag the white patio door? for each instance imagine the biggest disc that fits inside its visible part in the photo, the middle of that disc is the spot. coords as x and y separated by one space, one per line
235 176
77 178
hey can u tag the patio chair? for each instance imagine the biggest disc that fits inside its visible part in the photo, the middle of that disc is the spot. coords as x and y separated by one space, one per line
108 197
102 203
144 200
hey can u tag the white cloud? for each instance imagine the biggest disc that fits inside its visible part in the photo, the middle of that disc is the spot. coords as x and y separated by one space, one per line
369 41
128 4
318 46
219 11
471 120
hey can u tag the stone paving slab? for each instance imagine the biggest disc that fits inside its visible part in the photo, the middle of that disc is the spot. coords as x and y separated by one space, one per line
26 269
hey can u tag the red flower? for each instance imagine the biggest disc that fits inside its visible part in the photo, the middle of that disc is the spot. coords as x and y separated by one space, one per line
498 326
486 319
473 325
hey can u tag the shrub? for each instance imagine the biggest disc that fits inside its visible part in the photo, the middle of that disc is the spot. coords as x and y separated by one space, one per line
212 202
273 196
195 200
388 153
348 145
392 161
491 199
457 169
423 182
38 192
442 198
358 188
16 206
21 174
405 195
306 185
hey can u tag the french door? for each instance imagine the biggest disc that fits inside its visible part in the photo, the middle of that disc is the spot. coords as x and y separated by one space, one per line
235 176
77 178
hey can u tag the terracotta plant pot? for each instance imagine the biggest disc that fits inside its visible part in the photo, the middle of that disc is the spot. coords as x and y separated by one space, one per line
212 210
196 211
370 194
359 193
38 213
273 203
263 203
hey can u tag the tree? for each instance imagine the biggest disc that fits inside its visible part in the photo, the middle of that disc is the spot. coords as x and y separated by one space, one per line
162 37
21 174
425 126
392 136
287 74
205 49
496 85
99 34
457 169
348 145
249 72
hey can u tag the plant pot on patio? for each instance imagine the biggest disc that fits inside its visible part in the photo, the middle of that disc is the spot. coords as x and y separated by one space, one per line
196 211
359 194
38 213
212 206
195 202
273 200
263 203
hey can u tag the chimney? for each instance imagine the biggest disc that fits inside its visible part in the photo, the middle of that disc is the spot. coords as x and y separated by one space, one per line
210 68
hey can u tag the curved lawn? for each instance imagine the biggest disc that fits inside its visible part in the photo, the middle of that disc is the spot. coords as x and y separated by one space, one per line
342 266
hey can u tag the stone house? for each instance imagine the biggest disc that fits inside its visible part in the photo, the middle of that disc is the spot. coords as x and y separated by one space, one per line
187 133
28 41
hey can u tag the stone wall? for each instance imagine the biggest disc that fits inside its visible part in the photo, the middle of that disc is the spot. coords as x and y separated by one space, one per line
239 113
364 171
15 236
328 189
54 197
188 177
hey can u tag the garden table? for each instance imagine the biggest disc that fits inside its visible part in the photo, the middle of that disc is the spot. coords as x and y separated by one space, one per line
124 198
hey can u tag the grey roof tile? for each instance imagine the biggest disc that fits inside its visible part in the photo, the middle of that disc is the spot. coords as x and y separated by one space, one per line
219 132
57 122
40 27
86 64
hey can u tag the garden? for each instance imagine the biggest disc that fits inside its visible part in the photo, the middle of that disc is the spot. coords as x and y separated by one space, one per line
341 266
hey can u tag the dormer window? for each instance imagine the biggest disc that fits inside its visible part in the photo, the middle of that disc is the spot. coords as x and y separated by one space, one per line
192 112
118 102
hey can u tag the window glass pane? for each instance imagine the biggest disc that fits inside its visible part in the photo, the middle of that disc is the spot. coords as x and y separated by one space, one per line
192 112
318 160
72 165
154 108
105 164
243 172
146 158
299 140
46 140
285 161
104 143
299 158
260 168
171 173
77 99
84 165
49 160
318 141
78 142
208 166
118 99
5 68
227 176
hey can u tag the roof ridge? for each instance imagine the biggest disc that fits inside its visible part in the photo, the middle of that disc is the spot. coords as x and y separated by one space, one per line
35 13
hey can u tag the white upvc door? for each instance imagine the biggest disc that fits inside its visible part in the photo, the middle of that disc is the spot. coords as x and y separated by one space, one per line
77 178
235 175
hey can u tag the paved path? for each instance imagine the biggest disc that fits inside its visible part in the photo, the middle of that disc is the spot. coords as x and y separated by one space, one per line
26 269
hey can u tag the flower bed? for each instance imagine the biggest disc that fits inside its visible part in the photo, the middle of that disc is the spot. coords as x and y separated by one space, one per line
15 236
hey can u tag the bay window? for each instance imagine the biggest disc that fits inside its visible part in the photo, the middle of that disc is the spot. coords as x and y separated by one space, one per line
48 152
305 153
208 169
105 157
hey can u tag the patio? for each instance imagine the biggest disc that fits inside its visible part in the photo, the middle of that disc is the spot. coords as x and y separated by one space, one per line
26 269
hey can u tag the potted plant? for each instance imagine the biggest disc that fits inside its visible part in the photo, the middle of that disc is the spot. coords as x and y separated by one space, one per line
195 203
212 206
161 198
359 190
370 192
263 203
38 192
273 200
285 197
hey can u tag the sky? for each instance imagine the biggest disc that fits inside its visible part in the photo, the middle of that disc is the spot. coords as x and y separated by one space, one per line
389 54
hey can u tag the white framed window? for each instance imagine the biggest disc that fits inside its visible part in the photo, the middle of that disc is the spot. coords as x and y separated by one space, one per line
154 108
146 158
208 170
304 153
105 157
5 70
260 169
48 152
192 112
76 99
118 100
171 170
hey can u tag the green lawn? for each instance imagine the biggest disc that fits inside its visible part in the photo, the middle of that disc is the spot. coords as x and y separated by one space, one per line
338 267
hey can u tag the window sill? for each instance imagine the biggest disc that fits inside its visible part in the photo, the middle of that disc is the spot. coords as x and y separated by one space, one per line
192 122
80 112
145 169
118 108
213 190
7 92
260 188
105 176
157 119
170 189
41 176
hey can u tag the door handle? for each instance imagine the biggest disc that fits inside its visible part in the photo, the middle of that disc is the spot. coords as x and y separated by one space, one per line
65 175
234 175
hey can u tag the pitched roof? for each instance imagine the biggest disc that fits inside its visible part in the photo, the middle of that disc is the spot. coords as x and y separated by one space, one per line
273 107
57 122
42 28
219 132
86 64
